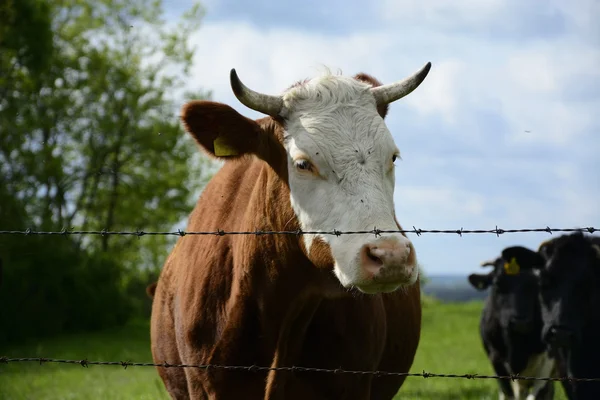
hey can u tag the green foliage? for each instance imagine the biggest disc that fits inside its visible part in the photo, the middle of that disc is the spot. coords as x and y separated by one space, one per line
90 92
25 35
50 287
429 301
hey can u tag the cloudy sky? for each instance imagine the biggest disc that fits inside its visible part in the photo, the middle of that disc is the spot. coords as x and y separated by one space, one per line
502 132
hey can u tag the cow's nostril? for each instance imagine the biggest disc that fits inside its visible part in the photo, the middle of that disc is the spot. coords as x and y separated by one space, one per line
373 257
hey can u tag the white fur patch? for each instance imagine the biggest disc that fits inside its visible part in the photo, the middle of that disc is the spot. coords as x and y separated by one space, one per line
538 365
332 121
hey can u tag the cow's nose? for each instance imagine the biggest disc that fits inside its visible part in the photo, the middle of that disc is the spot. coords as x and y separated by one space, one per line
387 256
520 324
559 336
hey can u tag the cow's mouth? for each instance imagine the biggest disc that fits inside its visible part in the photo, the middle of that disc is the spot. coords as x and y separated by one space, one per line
377 288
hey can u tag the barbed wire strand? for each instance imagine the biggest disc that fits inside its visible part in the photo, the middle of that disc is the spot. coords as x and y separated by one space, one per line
139 233
256 368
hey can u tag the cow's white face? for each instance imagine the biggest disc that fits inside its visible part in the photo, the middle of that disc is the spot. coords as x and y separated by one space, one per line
341 161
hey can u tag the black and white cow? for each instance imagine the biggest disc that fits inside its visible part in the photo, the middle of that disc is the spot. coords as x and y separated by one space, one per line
569 281
511 324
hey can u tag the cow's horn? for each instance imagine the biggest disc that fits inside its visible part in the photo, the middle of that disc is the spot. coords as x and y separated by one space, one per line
386 94
489 263
264 103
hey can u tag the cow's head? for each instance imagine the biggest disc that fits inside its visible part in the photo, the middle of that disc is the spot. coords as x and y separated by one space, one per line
327 139
514 288
569 281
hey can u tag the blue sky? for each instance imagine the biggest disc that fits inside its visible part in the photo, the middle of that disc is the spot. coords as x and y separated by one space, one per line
504 131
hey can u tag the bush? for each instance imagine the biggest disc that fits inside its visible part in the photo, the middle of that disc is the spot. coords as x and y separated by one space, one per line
50 287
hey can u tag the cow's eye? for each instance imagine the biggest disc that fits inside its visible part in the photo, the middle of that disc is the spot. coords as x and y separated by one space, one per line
394 157
304 165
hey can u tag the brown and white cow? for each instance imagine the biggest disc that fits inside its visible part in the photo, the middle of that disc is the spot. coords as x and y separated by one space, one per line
321 159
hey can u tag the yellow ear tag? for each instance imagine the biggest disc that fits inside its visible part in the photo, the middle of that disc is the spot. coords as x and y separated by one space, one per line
512 268
222 149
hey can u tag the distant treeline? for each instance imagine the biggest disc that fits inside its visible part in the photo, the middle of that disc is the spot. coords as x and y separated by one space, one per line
452 289
449 294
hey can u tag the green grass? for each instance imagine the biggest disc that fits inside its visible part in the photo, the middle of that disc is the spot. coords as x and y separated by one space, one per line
449 344
20 381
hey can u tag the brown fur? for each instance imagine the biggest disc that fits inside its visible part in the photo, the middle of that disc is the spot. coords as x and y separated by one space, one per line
261 300
383 108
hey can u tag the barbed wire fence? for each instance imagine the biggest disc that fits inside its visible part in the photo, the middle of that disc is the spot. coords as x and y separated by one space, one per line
254 368
417 231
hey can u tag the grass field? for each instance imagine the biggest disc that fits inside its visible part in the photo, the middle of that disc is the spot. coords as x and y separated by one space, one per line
449 344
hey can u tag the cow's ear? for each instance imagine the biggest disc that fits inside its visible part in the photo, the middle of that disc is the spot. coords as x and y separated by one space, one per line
381 109
546 248
223 133
522 257
480 281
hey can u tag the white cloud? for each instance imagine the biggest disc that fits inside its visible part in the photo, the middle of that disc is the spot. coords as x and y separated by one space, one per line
542 82
442 13
582 19
540 77
473 110
439 94
437 206
499 20
271 60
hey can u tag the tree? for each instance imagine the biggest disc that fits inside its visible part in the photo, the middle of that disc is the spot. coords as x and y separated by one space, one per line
25 37
90 138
